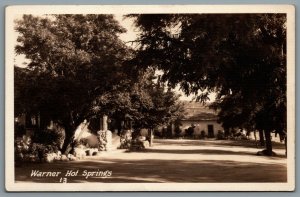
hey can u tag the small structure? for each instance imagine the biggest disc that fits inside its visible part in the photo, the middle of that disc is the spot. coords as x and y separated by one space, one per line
201 118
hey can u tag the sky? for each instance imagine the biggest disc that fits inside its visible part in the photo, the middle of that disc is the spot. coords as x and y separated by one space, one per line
131 33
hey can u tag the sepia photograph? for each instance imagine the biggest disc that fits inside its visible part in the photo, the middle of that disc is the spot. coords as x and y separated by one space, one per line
150 98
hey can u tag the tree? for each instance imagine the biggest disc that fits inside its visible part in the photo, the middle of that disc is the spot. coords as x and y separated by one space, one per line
77 71
73 60
155 105
147 104
241 57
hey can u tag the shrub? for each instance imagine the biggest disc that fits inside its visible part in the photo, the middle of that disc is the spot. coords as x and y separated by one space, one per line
178 131
190 131
125 139
220 135
21 149
49 137
157 133
137 144
32 152
41 149
19 130
202 134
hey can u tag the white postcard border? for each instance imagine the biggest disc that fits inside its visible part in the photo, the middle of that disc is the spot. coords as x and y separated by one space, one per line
11 11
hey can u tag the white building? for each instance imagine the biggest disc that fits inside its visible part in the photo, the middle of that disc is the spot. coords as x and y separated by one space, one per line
201 118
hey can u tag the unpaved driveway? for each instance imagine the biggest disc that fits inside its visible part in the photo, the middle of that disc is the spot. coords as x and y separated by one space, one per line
171 161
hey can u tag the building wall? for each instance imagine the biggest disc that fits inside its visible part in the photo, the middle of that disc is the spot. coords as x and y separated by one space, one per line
201 125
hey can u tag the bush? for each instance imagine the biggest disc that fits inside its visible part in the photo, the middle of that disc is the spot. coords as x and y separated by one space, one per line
157 133
41 149
220 135
138 144
202 135
21 149
49 137
32 152
178 131
164 132
19 130
190 131
125 139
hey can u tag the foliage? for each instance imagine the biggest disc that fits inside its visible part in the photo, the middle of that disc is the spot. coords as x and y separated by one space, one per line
77 72
19 130
240 57
147 104
73 60
157 106
32 152
139 144
220 135
203 135
125 139
42 149
48 137
190 131
178 130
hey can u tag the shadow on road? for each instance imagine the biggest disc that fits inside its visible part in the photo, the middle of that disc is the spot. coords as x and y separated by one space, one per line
215 143
205 161
199 151
153 170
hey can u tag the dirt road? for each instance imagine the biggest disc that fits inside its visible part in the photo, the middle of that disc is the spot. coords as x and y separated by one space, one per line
169 161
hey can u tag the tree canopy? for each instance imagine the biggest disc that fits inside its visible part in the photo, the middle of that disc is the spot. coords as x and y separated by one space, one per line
73 60
77 71
240 57
147 104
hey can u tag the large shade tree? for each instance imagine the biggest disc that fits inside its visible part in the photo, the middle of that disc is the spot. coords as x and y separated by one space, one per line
77 72
73 59
240 57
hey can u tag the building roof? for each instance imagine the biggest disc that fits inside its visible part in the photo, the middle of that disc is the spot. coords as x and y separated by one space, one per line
195 111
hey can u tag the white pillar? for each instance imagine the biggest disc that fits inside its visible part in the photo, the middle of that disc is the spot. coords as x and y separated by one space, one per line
108 134
104 123
108 140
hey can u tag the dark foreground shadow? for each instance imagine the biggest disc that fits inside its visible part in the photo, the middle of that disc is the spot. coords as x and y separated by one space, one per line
153 170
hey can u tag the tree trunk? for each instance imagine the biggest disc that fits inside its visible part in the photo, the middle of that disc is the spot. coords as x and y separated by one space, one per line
119 126
67 145
261 137
254 133
172 130
285 144
150 134
226 133
69 142
269 150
